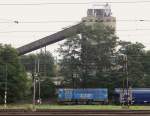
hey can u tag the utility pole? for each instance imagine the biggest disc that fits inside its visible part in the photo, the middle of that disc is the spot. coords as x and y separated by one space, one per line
127 79
45 63
5 96
125 91
39 81
34 85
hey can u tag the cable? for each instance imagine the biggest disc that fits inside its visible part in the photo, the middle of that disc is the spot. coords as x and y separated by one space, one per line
26 31
54 21
68 21
135 29
136 20
76 3
60 30
44 3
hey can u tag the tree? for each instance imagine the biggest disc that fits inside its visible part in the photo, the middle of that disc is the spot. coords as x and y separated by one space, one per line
28 62
88 55
146 65
70 64
135 54
101 43
13 71
47 89
87 60
47 70
46 63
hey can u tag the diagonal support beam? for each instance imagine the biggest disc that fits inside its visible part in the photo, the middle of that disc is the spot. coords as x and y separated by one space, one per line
50 39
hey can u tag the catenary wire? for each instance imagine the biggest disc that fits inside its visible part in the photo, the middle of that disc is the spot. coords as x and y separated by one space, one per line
46 31
76 3
68 21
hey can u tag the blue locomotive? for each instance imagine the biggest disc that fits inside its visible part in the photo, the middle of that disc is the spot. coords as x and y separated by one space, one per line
83 96
136 95
100 96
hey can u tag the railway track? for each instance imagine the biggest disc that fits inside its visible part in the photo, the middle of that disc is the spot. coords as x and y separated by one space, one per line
10 112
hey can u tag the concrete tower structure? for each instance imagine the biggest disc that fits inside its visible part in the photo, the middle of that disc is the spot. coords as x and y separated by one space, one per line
100 14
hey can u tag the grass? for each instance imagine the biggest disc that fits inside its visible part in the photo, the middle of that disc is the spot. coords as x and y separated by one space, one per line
85 107
92 107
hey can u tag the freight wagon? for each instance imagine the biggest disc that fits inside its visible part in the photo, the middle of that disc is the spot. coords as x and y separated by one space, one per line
83 96
137 95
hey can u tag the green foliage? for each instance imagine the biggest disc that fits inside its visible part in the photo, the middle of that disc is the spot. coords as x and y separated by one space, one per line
146 65
87 60
47 89
29 62
46 63
70 63
11 68
135 54
87 56
47 70
47 66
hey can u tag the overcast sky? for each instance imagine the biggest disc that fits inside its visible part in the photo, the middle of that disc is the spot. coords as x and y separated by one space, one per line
67 12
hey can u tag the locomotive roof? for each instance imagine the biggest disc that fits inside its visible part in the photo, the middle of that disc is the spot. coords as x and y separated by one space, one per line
133 90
